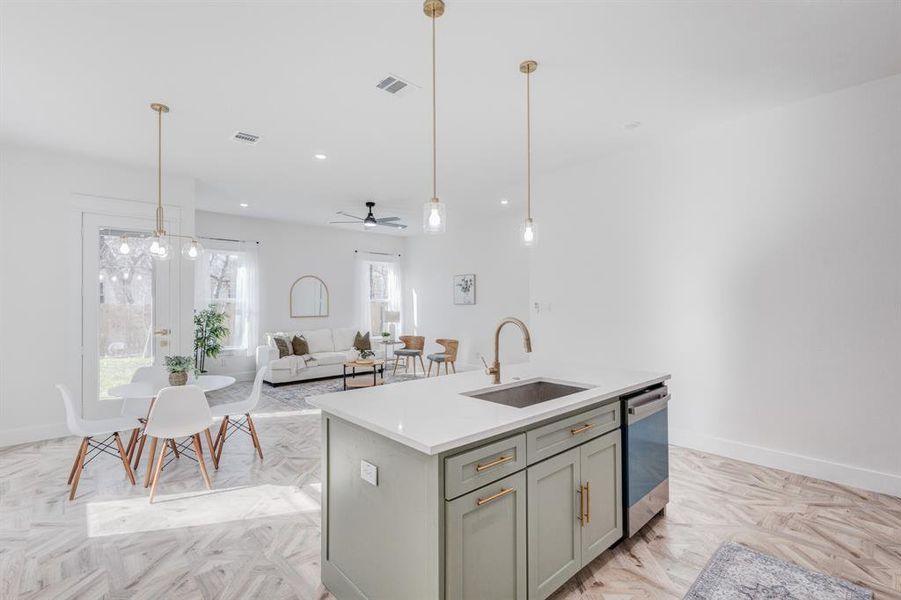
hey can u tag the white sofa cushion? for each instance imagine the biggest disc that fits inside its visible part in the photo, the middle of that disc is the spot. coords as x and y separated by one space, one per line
344 338
291 363
329 358
319 340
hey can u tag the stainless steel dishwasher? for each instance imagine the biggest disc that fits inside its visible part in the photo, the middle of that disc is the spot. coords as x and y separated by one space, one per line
645 456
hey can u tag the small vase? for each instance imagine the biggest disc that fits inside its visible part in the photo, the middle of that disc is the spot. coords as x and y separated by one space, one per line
178 378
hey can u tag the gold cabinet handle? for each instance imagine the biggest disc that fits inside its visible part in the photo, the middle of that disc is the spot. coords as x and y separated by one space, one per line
494 463
161 332
581 492
584 427
587 502
503 492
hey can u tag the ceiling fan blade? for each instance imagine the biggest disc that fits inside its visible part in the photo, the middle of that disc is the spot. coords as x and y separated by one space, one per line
341 212
342 222
392 225
386 219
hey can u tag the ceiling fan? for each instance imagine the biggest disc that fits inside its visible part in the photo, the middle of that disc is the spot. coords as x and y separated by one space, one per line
370 220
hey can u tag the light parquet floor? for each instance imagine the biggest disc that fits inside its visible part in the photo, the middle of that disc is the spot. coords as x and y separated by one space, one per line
257 534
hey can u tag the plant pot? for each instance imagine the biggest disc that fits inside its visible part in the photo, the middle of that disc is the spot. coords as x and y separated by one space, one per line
178 378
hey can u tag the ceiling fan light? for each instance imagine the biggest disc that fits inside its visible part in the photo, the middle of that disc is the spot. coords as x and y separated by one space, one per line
434 217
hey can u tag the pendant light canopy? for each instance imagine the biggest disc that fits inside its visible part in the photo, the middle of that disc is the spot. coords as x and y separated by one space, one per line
434 213
528 229
159 244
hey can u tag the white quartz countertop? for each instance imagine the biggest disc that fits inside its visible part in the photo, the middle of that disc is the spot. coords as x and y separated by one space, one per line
432 416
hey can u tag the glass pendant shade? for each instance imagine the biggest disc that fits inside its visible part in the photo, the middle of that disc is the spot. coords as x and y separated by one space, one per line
124 247
527 233
192 250
434 217
159 247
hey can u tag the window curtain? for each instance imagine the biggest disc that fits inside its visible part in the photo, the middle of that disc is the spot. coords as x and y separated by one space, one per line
361 292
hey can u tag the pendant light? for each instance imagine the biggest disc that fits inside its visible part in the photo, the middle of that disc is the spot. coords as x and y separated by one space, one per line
434 216
159 244
527 231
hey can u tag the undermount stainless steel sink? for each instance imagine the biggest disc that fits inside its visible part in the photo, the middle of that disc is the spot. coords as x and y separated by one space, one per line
527 393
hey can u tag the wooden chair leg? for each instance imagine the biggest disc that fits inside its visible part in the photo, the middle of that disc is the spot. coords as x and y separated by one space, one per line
446 372
141 441
209 444
420 362
124 456
253 435
159 468
132 440
222 435
396 363
414 366
152 455
77 459
198 450
79 466
219 434
174 447
454 366
429 372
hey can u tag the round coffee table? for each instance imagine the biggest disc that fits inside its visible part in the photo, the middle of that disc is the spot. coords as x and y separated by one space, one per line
377 366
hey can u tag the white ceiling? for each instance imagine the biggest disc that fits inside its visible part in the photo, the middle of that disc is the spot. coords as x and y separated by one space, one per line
79 76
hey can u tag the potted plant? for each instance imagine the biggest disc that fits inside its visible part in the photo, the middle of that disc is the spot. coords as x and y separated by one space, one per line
209 331
178 367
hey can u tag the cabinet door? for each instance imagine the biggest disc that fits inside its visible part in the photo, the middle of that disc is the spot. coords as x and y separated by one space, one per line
602 479
486 542
554 536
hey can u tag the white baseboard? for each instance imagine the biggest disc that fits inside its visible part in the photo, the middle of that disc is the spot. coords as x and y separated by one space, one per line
25 435
876 481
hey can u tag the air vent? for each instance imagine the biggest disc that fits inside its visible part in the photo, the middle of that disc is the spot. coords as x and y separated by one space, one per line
246 138
395 85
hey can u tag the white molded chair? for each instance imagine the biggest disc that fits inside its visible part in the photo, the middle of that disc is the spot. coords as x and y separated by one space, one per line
178 412
87 430
242 407
138 408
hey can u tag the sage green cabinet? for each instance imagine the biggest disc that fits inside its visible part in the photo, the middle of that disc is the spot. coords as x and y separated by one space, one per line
555 539
485 537
601 466
574 511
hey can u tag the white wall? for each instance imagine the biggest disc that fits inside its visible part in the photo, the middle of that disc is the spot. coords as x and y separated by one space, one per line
287 251
758 261
40 254
490 249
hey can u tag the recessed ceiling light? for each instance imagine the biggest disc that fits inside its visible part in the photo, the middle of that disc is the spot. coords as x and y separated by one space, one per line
632 125
243 205
320 156
504 201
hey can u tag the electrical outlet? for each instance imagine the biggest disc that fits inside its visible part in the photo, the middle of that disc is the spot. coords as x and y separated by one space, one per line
369 472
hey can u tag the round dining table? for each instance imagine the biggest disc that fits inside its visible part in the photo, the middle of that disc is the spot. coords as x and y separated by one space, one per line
150 389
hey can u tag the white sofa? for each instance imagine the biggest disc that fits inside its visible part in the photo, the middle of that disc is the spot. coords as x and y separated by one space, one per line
329 350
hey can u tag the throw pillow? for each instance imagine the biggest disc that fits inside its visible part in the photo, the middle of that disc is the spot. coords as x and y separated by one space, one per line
299 345
361 342
283 345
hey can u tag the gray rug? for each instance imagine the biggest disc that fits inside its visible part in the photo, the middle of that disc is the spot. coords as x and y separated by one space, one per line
739 573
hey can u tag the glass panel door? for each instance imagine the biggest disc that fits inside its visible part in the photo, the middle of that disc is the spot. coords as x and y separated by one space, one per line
126 317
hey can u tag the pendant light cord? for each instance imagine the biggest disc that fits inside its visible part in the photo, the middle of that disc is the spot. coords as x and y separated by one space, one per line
529 145
159 171
434 117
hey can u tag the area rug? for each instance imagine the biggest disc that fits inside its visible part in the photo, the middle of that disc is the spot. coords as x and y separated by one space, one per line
739 573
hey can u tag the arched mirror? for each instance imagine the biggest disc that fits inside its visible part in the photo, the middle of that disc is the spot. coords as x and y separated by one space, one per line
309 297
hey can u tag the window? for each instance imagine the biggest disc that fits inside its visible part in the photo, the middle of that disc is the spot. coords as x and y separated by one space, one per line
226 279
381 293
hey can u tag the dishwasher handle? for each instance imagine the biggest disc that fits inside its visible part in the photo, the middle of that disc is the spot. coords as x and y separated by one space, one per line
641 411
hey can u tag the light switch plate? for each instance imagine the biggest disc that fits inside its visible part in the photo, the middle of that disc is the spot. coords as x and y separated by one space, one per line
369 472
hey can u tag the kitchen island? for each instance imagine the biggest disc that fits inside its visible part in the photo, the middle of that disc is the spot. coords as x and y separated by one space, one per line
454 487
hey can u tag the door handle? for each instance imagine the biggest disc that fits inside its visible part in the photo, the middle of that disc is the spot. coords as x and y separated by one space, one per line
581 492
494 463
584 427
161 332
587 502
503 492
